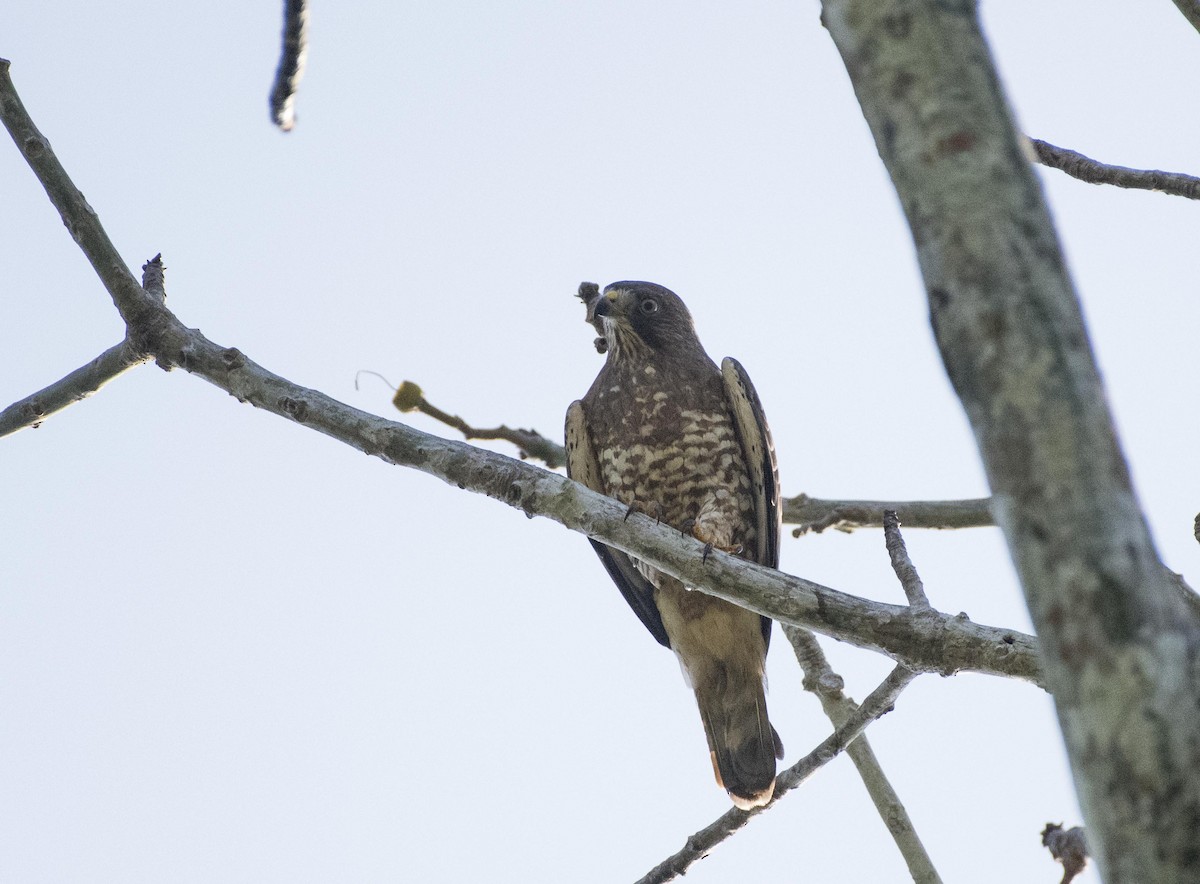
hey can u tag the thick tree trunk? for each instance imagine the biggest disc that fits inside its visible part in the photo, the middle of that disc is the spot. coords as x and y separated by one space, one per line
1119 643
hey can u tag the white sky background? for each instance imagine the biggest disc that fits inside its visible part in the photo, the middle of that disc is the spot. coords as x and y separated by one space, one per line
234 650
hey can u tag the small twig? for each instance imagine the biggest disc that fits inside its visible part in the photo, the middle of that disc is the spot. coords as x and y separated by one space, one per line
1191 11
814 514
820 679
1094 172
531 444
880 701
78 385
154 277
291 64
1068 846
906 572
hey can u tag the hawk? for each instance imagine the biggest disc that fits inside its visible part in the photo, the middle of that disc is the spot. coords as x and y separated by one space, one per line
667 432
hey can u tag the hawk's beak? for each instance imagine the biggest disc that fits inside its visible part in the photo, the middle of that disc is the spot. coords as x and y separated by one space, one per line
606 305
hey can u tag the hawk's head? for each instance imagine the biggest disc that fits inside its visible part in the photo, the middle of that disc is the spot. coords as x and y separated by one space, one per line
639 320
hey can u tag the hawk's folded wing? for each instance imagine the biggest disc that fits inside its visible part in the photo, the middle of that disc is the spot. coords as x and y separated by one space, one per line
759 450
583 467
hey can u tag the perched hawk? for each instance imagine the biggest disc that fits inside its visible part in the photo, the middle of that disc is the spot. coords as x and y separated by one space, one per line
673 436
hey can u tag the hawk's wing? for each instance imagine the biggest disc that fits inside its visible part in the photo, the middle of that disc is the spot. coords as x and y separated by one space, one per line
583 467
759 450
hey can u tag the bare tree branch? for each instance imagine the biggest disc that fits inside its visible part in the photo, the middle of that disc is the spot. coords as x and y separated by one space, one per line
809 513
814 514
78 385
1095 172
879 702
79 217
906 572
1191 11
291 64
921 640
820 679
1121 645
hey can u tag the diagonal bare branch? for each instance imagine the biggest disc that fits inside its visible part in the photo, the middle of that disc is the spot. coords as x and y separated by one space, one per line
79 217
1095 172
78 385
820 679
906 572
879 702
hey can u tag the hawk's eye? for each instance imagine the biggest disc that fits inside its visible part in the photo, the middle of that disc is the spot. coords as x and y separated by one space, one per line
649 306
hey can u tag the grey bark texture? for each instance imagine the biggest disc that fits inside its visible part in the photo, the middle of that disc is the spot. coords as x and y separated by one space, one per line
1119 645
79 384
816 515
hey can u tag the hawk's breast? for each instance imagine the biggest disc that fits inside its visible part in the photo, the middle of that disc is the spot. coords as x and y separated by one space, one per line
677 463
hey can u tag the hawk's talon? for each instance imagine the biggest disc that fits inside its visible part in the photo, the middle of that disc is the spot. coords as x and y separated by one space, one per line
635 506
691 527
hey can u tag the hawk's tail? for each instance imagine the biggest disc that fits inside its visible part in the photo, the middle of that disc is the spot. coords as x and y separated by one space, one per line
743 743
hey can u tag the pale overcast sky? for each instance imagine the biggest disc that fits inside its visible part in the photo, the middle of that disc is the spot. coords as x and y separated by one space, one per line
234 650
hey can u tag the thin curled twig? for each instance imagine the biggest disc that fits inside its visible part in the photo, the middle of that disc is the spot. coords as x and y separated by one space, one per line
530 443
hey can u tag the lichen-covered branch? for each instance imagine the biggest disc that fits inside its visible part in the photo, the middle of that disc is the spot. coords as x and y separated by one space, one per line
879 702
814 514
821 680
1121 645
1191 11
922 640
1095 172
76 386
292 57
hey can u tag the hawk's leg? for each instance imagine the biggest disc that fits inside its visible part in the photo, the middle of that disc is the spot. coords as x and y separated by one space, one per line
692 527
